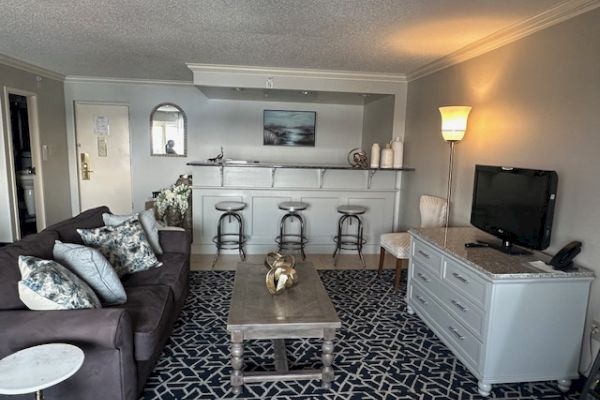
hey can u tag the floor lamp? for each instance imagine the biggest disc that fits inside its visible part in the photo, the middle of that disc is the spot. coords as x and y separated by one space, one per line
454 125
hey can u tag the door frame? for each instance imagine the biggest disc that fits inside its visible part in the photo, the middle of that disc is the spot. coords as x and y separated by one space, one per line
36 157
76 173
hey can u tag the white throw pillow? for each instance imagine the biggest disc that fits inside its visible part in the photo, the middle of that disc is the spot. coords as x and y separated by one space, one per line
93 268
149 224
47 285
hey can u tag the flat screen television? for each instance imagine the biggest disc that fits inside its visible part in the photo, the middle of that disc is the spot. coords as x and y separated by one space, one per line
515 205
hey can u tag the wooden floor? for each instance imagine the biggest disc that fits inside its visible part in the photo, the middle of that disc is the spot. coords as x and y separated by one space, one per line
203 262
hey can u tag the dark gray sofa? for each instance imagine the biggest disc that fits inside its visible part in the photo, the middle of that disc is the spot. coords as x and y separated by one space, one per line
121 343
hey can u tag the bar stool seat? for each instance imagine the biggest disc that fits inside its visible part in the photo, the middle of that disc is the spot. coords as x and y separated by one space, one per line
293 206
352 210
230 241
230 206
349 240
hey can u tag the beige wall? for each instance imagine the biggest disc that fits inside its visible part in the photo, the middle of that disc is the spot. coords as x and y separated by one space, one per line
51 110
536 104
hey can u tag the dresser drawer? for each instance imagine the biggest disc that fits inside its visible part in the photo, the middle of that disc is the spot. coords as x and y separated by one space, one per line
424 276
464 281
462 309
427 256
464 343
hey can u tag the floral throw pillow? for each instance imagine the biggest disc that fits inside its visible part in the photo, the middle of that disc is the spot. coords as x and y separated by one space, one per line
125 246
47 285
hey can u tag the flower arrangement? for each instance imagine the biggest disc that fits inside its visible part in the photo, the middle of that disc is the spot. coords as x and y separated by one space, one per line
175 197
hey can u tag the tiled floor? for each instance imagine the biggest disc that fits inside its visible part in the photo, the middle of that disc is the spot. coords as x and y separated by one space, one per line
203 262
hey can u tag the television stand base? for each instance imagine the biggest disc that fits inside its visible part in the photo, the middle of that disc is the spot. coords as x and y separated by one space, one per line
506 247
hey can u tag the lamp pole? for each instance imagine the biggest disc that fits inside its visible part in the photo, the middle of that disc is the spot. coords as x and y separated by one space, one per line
449 192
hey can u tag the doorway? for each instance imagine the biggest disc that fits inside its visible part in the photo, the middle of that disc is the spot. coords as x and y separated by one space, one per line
26 190
24 169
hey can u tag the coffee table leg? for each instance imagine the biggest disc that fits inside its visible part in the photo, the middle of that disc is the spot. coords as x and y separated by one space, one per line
327 357
39 395
237 361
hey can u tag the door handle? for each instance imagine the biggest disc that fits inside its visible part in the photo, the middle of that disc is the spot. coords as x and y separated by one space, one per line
85 167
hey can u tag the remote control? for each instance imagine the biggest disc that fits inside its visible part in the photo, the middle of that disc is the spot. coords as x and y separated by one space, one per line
476 244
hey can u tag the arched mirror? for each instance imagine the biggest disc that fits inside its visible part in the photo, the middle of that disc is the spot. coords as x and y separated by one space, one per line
168 130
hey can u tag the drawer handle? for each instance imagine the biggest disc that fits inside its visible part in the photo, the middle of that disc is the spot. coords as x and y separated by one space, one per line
423 277
421 252
459 306
460 278
422 300
456 333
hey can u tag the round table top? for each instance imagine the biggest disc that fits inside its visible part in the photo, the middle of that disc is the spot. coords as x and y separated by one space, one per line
39 367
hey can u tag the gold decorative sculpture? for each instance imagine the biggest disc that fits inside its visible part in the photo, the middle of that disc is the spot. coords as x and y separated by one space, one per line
282 274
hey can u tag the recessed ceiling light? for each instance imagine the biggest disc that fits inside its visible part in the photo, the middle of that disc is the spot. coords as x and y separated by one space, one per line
305 92
238 89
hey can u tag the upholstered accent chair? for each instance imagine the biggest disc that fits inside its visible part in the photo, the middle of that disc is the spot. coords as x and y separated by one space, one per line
433 214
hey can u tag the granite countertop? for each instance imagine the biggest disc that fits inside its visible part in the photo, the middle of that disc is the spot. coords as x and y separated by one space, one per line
256 164
491 262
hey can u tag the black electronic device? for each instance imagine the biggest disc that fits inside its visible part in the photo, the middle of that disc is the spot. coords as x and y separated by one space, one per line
476 244
564 258
515 205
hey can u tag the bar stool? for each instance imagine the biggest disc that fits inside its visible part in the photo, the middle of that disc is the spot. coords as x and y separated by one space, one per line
292 241
230 240
348 240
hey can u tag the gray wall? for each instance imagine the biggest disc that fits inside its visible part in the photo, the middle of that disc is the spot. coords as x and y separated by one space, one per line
236 125
536 104
51 110
378 123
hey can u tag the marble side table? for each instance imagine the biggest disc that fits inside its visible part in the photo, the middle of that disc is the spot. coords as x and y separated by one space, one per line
39 367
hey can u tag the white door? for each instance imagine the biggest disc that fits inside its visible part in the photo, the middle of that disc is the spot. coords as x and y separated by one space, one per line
103 156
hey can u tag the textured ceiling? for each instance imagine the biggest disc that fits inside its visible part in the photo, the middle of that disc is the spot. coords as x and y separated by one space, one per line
152 39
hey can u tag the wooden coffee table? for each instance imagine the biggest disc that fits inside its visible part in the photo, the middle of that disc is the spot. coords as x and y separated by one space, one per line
303 311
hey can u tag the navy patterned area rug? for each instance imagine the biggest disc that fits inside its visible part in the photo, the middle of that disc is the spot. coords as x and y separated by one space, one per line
381 352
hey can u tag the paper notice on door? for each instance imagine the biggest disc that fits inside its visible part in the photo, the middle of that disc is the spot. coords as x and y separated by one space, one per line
102 148
101 125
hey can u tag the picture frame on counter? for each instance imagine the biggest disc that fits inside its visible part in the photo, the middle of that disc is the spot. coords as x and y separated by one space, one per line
289 128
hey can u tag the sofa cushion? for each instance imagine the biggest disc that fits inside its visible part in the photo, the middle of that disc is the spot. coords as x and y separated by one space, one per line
148 222
67 229
38 245
125 246
150 308
47 285
173 273
93 268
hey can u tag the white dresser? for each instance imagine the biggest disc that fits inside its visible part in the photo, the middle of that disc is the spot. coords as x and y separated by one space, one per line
503 319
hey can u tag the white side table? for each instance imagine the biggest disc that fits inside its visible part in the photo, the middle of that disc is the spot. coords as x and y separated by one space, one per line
37 368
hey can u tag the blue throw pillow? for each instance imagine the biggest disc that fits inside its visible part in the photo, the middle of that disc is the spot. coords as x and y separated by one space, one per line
149 225
124 246
93 268
47 285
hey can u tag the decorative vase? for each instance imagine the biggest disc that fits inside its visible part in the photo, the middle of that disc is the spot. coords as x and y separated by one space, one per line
173 217
387 157
375 149
398 148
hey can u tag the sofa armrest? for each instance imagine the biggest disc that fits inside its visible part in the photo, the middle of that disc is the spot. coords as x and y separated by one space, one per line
108 328
105 336
173 241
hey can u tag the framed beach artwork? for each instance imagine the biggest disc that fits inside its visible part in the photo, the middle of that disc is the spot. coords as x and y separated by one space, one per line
289 128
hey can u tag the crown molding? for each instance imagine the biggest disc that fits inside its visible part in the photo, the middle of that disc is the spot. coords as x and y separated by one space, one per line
561 12
99 79
33 69
298 72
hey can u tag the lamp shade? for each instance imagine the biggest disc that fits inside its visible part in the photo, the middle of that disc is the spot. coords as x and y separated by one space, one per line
454 122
